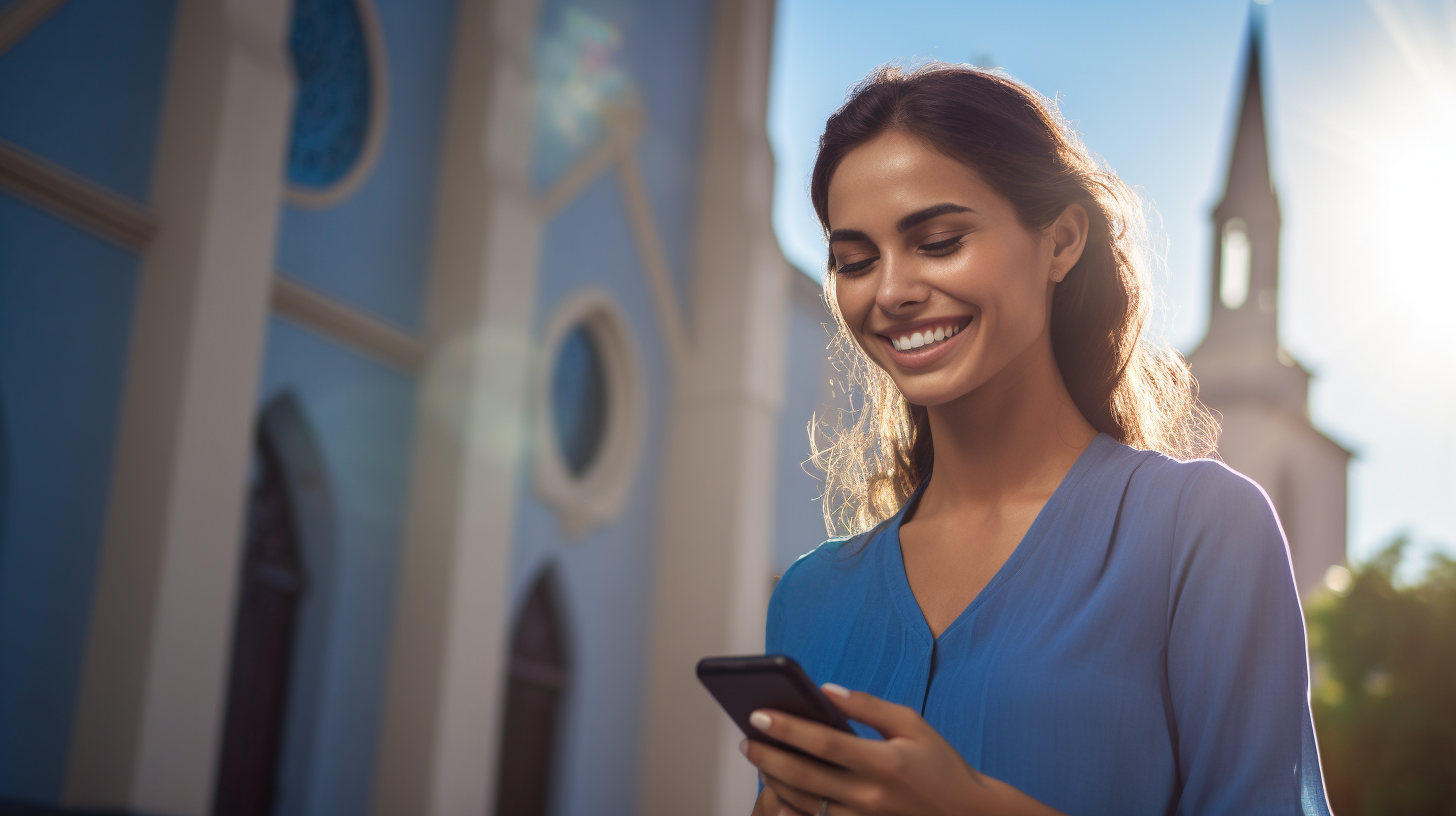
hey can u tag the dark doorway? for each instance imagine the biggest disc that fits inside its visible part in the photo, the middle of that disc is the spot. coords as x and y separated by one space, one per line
536 681
271 585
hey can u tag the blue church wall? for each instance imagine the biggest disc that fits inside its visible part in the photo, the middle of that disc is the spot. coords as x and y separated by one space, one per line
362 415
84 89
371 250
65 318
607 573
605 51
798 514
589 56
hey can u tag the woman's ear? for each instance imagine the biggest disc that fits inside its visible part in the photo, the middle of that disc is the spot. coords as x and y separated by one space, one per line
1068 235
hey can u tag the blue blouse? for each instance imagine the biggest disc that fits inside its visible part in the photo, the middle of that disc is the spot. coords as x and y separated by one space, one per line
1142 650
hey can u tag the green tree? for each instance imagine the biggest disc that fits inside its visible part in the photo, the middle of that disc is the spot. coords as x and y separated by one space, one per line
1384 659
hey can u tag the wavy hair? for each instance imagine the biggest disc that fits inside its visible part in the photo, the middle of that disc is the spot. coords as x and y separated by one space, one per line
1137 391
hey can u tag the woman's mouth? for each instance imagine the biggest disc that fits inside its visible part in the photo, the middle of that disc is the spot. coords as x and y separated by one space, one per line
922 347
928 337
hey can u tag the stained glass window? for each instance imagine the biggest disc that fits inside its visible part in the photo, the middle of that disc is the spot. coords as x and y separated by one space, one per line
331 114
579 399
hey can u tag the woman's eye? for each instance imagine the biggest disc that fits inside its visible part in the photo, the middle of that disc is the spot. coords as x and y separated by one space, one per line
857 266
945 247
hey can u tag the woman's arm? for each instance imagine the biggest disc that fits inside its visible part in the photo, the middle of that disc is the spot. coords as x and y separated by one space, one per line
1237 665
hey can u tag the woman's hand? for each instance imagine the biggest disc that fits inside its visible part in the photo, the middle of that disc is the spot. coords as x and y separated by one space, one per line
912 772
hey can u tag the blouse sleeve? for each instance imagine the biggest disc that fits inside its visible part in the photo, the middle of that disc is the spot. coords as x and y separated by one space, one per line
1238 670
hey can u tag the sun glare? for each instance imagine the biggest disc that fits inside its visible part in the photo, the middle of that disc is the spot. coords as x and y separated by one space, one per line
1401 144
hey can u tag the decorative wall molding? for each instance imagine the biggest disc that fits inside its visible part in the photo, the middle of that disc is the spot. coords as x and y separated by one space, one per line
625 124
22 17
149 707
51 187
346 325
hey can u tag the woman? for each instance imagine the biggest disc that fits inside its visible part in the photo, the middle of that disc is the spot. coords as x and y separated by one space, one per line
1045 606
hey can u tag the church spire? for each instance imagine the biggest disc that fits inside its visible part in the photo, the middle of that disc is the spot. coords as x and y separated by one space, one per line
1246 226
1241 352
1249 161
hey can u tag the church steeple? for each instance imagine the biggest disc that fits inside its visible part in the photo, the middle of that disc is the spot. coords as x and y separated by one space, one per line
1248 176
1241 354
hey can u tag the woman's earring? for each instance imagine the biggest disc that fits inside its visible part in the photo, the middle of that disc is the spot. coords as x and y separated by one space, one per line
1057 276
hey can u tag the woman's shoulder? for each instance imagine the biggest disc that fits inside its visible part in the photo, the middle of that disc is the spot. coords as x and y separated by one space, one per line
1193 487
830 567
1218 519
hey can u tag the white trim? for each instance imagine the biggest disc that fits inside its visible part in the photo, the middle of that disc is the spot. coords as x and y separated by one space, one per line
318 198
715 529
625 123
149 707
598 496
654 259
439 739
347 325
75 198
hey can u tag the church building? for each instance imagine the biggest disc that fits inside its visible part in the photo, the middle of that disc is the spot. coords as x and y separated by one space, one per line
391 403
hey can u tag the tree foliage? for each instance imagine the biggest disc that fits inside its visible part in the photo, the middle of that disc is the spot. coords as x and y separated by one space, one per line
1384 659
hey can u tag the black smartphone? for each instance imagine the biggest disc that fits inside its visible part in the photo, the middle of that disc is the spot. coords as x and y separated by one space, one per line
743 684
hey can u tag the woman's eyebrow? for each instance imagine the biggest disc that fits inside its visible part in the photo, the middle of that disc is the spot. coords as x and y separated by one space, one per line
849 235
921 216
917 217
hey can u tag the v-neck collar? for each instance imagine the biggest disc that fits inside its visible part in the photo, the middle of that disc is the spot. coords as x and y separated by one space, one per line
892 559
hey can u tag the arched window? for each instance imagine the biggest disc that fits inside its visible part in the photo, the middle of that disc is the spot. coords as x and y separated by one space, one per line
536 681
288 532
1233 278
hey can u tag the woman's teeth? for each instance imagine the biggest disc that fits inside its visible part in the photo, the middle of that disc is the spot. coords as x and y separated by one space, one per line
918 339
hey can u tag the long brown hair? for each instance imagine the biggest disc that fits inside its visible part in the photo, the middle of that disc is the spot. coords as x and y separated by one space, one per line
1135 390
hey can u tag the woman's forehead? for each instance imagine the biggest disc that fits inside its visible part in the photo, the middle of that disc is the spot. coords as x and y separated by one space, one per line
893 175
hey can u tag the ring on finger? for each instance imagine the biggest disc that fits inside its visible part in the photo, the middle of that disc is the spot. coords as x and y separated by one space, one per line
823 807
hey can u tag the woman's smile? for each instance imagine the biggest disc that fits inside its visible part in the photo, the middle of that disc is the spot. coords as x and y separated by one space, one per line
925 342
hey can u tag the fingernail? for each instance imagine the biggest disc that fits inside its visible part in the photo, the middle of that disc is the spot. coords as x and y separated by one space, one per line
760 720
743 746
836 690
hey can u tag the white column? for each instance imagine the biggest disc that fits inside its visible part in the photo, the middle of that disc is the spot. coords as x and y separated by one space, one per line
715 535
149 713
438 744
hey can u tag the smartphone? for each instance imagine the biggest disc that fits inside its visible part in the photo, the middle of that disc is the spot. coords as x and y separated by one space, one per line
743 684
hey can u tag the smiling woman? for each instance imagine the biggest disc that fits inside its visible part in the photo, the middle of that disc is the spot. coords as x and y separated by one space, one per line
1043 605
1033 167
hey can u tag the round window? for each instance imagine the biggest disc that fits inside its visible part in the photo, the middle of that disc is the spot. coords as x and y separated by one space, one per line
337 114
579 399
590 425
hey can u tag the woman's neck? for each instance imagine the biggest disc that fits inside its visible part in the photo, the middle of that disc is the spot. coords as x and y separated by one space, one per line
1016 435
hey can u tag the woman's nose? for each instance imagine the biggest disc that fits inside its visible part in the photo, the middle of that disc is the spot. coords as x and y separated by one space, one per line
900 285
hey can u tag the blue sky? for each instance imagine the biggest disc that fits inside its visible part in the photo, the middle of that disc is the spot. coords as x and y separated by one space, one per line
1361 98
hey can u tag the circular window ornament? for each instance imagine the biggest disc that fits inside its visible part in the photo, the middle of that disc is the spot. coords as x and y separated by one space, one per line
588 435
342 102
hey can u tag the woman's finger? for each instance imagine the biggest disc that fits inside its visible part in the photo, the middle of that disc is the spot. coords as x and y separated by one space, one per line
773 797
890 719
815 739
798 802
788 800
799 774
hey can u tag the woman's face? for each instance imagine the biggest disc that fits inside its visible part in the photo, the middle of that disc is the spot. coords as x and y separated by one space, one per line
938 280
